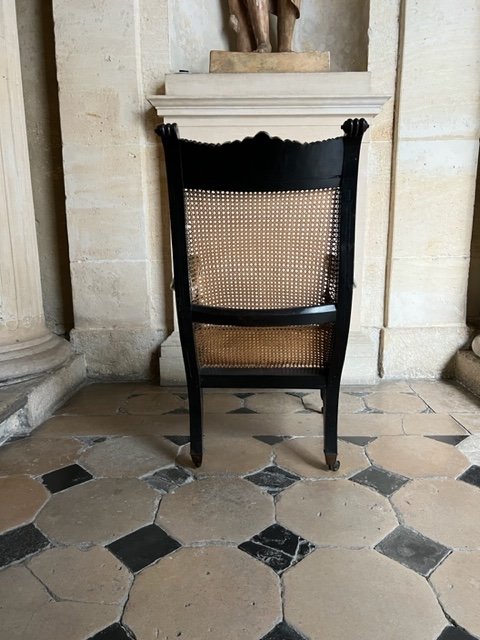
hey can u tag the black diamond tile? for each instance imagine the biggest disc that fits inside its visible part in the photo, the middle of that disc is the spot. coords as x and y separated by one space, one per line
273 479
242 410
242 396
282 631
113 632
167 479
471 475
453 440
142 547
271 439
89 440
361 441
277 547
20 543
455 633
298 394
178 440
413 550
385 482
65 477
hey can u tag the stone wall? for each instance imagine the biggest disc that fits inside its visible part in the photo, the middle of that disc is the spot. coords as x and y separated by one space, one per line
435 164
421 171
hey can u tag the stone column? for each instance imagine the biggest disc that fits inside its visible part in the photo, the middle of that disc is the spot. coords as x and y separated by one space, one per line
27 347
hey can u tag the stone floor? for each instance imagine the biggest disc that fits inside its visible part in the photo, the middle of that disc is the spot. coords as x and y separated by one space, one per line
108 533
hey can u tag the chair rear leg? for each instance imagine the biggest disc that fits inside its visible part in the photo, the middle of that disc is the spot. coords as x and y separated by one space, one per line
195 409
330 421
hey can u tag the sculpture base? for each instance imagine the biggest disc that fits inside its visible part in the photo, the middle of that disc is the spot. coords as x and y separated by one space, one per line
291 62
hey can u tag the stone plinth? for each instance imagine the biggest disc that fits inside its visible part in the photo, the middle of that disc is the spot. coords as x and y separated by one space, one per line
285 62
301 106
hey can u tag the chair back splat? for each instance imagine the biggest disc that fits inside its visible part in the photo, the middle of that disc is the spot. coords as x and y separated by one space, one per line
263 234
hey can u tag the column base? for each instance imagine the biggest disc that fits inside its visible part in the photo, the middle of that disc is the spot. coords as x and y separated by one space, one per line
467 370
360 363
28 359
27 404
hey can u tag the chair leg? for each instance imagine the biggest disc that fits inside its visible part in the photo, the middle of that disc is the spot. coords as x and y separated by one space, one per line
195 409
330 420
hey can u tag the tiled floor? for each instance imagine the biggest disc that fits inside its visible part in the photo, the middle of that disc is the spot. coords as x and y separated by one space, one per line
108 533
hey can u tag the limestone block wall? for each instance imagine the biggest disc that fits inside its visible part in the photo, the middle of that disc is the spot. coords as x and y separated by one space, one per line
435 164
109 56
338 26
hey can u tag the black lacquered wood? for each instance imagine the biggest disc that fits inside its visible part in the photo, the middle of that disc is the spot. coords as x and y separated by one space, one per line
300 378
262 163
264 317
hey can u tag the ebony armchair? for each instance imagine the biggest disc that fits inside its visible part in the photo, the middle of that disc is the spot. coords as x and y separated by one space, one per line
263 236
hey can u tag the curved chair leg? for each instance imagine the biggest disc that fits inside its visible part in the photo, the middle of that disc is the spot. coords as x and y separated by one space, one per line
195 409
330 422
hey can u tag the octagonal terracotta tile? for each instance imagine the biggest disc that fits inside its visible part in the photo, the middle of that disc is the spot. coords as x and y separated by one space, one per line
417 457
305 457
91 575
153 403
216 509
443 509
30 613
274 402
128 457
228 455
457 584
436 424
341 594
98 511
395 402
21 498
36 456
339 513
208 593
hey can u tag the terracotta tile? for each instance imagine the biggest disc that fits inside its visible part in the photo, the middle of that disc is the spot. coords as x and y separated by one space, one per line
458 587
343 594
20 592
417 457
97 399
436 424
369 424
128 457
208 593
433 508
119 425
395 402
339 513
220 403
216 509
21 498
305 457
35 456
228 455
98 511
446 397
93 575
471 421
470 447
152 403
275 402
348 403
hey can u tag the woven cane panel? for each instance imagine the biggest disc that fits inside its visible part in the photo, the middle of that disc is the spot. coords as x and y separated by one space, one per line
263 347
263 250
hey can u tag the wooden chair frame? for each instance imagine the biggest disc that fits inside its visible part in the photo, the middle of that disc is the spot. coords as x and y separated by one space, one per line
240 166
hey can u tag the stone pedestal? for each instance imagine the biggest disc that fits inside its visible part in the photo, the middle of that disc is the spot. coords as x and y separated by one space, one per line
27 347
306 107
287 62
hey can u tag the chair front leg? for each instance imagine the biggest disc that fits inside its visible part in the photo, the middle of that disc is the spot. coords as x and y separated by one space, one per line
195 409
